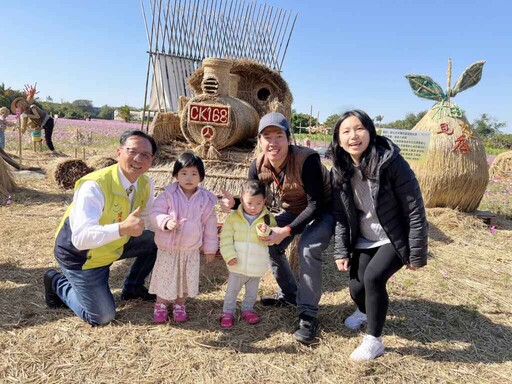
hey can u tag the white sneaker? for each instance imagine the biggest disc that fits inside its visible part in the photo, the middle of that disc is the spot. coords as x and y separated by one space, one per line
369 349
356 320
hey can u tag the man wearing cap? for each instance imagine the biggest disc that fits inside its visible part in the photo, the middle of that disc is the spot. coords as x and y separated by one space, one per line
299 190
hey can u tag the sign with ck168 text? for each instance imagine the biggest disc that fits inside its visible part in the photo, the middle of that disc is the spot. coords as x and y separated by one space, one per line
208 114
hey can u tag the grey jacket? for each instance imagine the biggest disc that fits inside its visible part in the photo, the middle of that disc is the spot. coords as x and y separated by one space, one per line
398 203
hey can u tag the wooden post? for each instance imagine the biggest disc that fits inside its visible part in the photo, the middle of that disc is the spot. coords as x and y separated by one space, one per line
76 153
449 79
19 141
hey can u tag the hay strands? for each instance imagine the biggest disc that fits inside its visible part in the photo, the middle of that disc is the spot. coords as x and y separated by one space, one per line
68 172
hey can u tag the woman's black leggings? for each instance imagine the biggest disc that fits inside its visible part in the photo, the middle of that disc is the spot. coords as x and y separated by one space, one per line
48 130
370 271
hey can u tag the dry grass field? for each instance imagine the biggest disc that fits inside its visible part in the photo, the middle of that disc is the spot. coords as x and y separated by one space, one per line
450 322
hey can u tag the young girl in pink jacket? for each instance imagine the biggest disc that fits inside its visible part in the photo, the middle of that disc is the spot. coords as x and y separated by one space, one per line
184 220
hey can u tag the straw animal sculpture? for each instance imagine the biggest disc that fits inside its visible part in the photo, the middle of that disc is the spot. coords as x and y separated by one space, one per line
67 172
501 165
7 184
165 128
455 171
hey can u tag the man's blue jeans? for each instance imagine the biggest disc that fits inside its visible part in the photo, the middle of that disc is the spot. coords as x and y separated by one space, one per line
315 238
87 292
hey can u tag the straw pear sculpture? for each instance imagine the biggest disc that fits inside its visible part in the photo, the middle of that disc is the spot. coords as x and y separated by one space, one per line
455 173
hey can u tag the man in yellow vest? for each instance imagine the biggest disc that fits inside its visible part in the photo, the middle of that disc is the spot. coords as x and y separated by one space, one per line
105 223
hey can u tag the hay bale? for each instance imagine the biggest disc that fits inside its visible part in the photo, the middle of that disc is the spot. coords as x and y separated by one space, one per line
227 174
451 176
67 172
501 165
219 175
99 162
7 184
165 128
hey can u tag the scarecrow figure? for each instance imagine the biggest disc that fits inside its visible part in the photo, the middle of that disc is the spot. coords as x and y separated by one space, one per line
37 116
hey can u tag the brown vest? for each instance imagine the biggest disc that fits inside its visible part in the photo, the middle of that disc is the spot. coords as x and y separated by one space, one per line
292 195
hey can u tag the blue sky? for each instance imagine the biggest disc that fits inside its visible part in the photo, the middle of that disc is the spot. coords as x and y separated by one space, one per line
342 54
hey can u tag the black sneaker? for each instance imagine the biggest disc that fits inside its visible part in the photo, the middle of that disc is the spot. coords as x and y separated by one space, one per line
52 299
308 328
275 301
140 293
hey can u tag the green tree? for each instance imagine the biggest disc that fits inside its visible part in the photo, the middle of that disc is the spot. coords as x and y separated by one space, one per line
106 112
302 120
409 122
501 140
84 105
378 119
487 126
331 120
124 113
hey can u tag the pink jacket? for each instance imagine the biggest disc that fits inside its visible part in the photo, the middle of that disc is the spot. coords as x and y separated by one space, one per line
196 218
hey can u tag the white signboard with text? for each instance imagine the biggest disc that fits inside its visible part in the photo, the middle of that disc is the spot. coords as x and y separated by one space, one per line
413 144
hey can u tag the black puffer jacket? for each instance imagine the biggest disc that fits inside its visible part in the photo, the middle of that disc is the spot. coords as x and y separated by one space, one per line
398 203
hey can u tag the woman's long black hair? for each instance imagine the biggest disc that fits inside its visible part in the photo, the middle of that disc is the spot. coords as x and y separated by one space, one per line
343 167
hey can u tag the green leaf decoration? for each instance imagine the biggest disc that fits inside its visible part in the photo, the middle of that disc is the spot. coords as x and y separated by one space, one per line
424 86
471 76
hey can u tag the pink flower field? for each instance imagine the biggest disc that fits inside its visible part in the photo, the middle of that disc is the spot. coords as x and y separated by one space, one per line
69 133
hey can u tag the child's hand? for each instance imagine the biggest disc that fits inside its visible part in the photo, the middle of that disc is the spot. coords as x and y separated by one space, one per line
227 201
232 262
171 225
262 229
209 257
342 264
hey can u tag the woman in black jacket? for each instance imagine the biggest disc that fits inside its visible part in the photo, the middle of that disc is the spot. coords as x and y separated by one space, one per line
380 221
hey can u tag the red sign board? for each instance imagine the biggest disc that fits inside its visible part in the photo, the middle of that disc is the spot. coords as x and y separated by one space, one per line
208 114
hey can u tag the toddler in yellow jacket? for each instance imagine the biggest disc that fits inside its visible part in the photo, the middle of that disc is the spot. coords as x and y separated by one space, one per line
246 255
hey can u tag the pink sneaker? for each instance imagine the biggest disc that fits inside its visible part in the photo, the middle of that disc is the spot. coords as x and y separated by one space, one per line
250 317
179 313
226 320
160 313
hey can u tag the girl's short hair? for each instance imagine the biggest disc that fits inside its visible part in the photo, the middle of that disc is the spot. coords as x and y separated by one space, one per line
188 159
253 188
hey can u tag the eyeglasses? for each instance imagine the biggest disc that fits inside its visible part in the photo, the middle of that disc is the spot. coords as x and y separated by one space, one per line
144 156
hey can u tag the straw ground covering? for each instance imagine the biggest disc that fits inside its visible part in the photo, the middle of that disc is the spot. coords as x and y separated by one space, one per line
448 323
